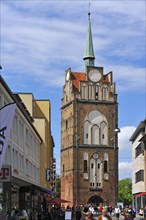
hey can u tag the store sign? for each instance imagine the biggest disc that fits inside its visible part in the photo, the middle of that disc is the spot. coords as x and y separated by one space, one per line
5 173
53 173
68 215
48 177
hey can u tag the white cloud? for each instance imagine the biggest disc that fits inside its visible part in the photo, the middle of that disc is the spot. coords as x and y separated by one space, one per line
39 38
124 136
125 170
125 152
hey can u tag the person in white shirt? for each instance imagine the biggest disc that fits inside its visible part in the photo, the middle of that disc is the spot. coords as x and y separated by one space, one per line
117 212
24 213
91 209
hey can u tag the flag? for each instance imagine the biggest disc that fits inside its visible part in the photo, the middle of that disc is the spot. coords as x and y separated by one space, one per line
6 120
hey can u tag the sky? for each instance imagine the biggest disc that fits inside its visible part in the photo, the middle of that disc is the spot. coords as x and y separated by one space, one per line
40 39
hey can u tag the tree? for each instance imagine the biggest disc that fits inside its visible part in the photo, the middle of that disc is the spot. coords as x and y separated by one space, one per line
57 194
125 191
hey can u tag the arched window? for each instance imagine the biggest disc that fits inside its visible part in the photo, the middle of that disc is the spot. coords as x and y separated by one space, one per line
95 134
97 92
105 166
87 137
95 128
98 173
91 91
103 133
92 173
104 92
85 166
84 91
95 172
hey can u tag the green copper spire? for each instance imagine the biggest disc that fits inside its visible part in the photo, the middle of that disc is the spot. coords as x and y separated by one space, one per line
89 52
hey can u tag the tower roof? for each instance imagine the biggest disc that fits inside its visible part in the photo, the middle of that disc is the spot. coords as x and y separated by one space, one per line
89 51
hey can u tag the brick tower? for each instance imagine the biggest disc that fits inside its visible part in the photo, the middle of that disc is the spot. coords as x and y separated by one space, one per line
89 141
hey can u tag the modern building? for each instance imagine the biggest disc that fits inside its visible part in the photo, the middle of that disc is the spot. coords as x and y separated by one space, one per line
29 152
138 139
40 110
89 140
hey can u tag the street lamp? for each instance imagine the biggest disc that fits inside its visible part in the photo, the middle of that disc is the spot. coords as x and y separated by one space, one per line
117 130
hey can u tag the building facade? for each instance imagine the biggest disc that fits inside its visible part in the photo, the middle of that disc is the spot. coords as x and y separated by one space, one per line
89 141
40 110
29 153
138 139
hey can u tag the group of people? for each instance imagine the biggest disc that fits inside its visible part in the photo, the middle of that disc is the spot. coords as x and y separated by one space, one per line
14 214
142 213
81 213
88 214
106 213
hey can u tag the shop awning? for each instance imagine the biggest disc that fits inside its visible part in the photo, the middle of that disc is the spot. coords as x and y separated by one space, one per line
45 190
141 194
57 201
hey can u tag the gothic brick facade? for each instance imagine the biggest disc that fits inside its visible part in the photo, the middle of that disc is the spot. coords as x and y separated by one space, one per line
89 122
89 152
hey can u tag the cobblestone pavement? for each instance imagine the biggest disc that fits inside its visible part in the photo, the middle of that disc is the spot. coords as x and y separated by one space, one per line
113 218
122 217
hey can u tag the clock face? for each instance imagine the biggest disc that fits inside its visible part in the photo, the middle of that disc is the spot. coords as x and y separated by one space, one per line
94 75
95 156
67 76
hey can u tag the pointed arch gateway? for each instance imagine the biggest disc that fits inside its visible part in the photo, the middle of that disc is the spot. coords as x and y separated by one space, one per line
95 200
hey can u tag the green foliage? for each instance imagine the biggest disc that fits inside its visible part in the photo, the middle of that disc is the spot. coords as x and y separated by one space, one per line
57 194
125 191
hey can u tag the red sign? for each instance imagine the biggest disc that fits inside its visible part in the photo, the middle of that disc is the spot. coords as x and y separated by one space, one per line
5 173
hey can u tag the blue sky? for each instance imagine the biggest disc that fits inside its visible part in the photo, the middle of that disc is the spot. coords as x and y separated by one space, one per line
41 39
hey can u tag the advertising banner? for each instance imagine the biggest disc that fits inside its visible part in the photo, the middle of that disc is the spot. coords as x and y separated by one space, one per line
6 120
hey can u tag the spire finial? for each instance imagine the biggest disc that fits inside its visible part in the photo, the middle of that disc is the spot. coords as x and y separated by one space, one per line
89 7
89 51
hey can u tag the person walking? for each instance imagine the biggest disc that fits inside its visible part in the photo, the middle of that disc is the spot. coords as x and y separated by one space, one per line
24 213
141 213
78 213
144 212
91 209
132 212
117 212
128 216
89 216
13 212
104 216
15 216
8 216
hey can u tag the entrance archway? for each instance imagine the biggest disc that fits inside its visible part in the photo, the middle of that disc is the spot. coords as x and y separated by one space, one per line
95 200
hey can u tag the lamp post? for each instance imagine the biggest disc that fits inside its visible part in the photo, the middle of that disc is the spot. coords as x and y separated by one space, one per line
116 131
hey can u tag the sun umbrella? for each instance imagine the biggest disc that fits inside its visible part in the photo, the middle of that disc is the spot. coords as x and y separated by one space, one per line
57 201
